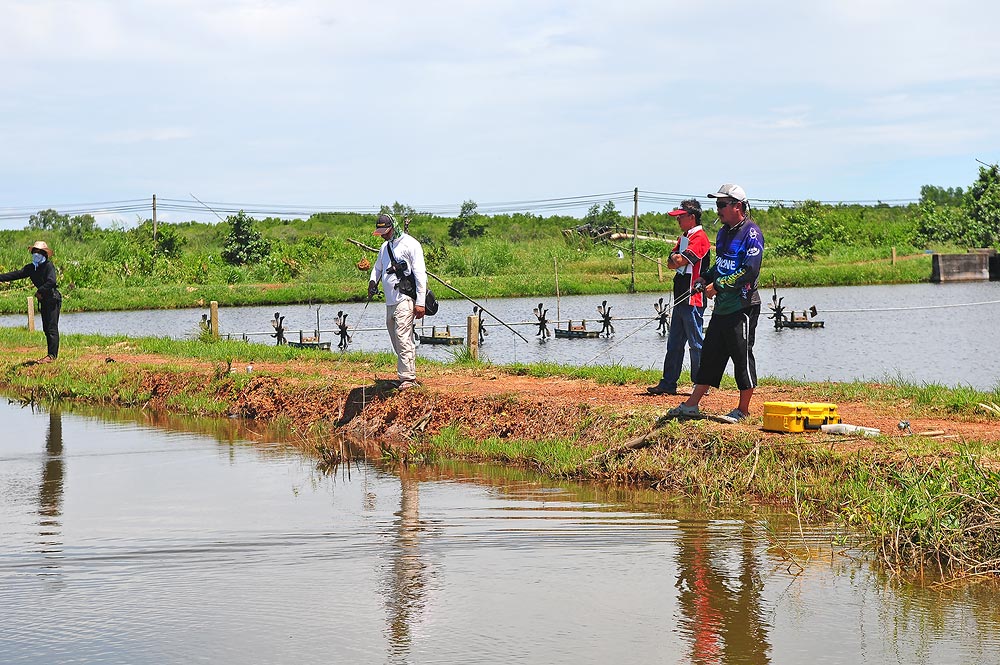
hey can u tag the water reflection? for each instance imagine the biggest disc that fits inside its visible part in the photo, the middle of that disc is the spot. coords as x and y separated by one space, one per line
416 564
408 573
50 492
720 608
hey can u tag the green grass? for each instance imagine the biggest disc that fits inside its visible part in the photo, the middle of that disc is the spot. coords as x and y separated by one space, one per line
555 457
312 261
943 516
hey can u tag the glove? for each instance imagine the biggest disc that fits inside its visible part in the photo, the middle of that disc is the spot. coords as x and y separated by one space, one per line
372 289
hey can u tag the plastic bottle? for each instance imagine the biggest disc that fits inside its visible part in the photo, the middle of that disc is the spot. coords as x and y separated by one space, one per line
843 428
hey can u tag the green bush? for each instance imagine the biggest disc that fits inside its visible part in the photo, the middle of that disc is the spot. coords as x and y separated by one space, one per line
245 243
808 231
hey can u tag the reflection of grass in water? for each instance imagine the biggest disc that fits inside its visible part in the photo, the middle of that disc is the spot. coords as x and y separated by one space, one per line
909 505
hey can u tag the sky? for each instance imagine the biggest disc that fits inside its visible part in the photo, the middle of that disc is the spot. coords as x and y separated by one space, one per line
306 105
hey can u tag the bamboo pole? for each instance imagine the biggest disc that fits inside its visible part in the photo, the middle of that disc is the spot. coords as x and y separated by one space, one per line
555 262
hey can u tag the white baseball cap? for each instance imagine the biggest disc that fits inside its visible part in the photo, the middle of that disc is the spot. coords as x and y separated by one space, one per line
730 191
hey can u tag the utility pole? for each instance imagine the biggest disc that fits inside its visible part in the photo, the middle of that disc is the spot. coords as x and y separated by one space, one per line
154 218
635 232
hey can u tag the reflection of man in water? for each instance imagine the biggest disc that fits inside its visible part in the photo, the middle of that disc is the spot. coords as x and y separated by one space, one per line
50 489
720 608
405 597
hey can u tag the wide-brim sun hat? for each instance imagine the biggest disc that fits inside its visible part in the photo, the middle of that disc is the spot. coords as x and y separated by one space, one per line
41 246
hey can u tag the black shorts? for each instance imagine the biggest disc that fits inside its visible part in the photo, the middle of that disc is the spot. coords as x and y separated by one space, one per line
730 336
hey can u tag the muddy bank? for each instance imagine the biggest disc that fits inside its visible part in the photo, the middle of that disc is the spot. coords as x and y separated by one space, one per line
480 402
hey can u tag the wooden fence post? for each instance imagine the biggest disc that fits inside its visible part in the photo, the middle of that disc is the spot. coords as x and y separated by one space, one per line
472 329
214 318
893 256
31 314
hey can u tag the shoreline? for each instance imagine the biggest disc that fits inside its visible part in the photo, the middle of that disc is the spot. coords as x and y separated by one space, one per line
917 502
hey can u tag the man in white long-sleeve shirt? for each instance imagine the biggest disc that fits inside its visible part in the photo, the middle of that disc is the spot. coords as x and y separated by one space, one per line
400 267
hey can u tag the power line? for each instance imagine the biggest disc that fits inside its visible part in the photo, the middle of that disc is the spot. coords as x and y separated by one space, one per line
537 206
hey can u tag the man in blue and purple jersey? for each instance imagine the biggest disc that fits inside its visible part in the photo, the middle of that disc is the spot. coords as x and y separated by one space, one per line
732 281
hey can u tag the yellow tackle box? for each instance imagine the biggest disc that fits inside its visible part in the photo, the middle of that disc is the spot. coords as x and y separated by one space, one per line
784 417
798 416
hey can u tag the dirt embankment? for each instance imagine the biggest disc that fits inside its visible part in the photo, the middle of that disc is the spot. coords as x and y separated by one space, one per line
485 402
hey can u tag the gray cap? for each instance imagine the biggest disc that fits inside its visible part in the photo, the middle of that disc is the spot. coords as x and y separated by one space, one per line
730 191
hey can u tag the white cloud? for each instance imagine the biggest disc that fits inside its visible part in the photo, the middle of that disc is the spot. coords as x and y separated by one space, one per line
437 101
145 135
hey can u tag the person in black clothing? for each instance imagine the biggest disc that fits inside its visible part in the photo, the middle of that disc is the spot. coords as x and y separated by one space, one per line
42 274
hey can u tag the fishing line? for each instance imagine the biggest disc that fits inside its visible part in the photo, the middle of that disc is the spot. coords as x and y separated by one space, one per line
206 205
676 302
449 286
915 307
629 249
363 311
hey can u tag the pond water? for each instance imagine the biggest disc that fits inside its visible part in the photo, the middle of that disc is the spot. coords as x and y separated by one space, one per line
123 542
914 332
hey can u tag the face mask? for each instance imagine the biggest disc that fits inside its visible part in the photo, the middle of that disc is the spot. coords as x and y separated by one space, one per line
37 259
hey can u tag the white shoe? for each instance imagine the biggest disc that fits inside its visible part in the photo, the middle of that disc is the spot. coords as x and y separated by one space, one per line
682 410
735 416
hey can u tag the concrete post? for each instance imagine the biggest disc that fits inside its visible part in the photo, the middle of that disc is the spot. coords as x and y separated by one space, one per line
214 318
472 328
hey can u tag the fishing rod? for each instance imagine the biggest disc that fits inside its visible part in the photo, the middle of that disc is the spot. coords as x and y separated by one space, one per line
445 284
367 302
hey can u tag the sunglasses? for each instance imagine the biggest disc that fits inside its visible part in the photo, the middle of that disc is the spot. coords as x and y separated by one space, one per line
725 203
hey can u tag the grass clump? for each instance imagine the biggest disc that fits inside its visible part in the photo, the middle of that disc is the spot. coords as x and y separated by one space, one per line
943 515
556 457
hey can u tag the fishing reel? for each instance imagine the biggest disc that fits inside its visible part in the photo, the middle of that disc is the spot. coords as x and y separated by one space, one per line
398 269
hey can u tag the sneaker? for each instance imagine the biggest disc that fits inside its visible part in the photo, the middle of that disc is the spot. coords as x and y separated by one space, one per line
684 411
409 383
662 388
735 416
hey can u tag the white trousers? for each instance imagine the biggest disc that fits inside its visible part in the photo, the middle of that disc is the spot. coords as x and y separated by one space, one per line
399 323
